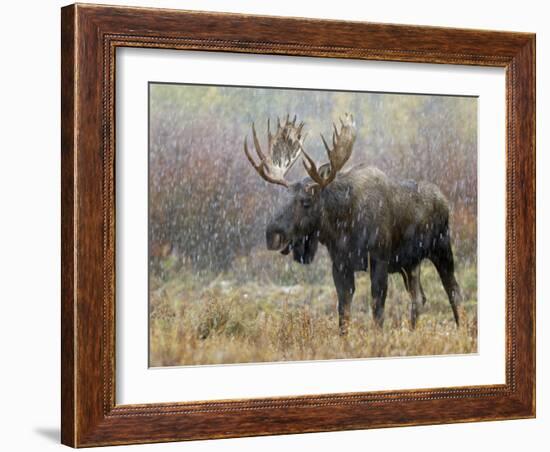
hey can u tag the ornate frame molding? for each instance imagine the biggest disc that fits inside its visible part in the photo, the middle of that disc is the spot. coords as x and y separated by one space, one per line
90 37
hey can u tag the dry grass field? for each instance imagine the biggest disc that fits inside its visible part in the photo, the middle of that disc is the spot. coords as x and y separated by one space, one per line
277 310
216 295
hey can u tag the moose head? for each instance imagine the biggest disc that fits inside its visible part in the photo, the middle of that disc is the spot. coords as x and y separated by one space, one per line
296 226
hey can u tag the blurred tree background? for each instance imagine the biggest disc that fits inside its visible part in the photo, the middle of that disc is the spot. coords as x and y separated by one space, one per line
207 206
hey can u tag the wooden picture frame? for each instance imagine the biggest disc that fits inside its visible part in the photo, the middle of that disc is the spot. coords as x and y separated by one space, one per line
90 35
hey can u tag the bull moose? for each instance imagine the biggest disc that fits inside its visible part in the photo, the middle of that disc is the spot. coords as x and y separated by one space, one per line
367 220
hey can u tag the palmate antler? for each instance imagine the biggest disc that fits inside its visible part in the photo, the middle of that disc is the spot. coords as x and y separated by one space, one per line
283 149
342 145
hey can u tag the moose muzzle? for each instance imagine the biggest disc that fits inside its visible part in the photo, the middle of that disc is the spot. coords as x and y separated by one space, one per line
276 238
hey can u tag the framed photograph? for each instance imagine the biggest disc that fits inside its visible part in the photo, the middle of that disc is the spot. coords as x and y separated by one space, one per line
281 225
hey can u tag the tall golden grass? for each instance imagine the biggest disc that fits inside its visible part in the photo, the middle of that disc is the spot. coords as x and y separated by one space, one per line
287 312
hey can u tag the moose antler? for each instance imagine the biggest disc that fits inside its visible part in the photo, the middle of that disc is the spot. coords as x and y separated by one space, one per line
342 145
283 150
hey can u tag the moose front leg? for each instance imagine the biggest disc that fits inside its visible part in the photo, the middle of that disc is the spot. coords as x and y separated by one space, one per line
344 280
379 289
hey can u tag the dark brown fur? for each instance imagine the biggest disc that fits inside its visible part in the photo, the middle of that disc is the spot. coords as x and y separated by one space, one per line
368 221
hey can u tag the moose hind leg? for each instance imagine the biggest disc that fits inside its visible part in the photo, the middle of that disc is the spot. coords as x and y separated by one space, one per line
379 289
422 294
344 280
411 277
444 263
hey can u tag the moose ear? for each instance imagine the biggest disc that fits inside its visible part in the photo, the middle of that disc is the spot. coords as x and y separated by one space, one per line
324 170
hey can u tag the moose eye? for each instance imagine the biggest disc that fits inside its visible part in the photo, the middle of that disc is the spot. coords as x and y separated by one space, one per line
306 203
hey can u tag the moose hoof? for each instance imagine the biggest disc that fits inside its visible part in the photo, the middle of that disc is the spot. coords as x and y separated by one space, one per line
343 328
379 323
343 331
